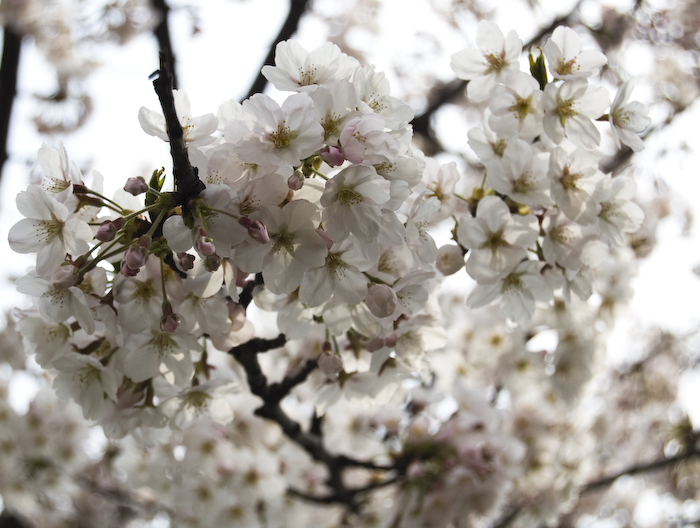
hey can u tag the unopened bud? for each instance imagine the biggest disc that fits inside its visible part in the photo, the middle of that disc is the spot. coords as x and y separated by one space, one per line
332 155
169 321
136 185
295 182
108 229
326 238
450 259
136 256
203 244
256 229
65 277
127 271
381 300
331 365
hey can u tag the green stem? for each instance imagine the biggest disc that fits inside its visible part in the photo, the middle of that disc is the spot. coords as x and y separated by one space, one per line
462 197
104 198
101 256
319 174
225 213
375 279
155 224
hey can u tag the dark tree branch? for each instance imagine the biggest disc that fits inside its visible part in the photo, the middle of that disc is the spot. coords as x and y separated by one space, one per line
246 295
162 34
186 180
12 43
445 93
247 356
11 520
277 391
296 10
640 468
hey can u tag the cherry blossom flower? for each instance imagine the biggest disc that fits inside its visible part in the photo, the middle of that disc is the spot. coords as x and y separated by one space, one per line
565 58
351 203
628 119
516 292
488 65
496 239
196 131
50 229
569 109
296 68
516 107
280 135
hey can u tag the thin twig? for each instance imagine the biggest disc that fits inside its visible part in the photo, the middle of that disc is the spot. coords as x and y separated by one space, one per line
186 179
11 46
640 468
162 34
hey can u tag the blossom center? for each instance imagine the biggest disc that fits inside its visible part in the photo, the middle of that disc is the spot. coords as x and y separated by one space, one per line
283 240
282 137
348 196
569 179
495 61
567 67
565 110
522 107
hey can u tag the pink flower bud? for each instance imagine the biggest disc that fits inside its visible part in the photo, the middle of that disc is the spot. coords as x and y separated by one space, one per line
450 259
295 182
325 237
170 321
127 271
381 300
65 277
331 365
203 244
136 256
136 185
332 155
108 229
258 231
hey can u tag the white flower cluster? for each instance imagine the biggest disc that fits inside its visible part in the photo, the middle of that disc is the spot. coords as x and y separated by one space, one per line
537 145
325 200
